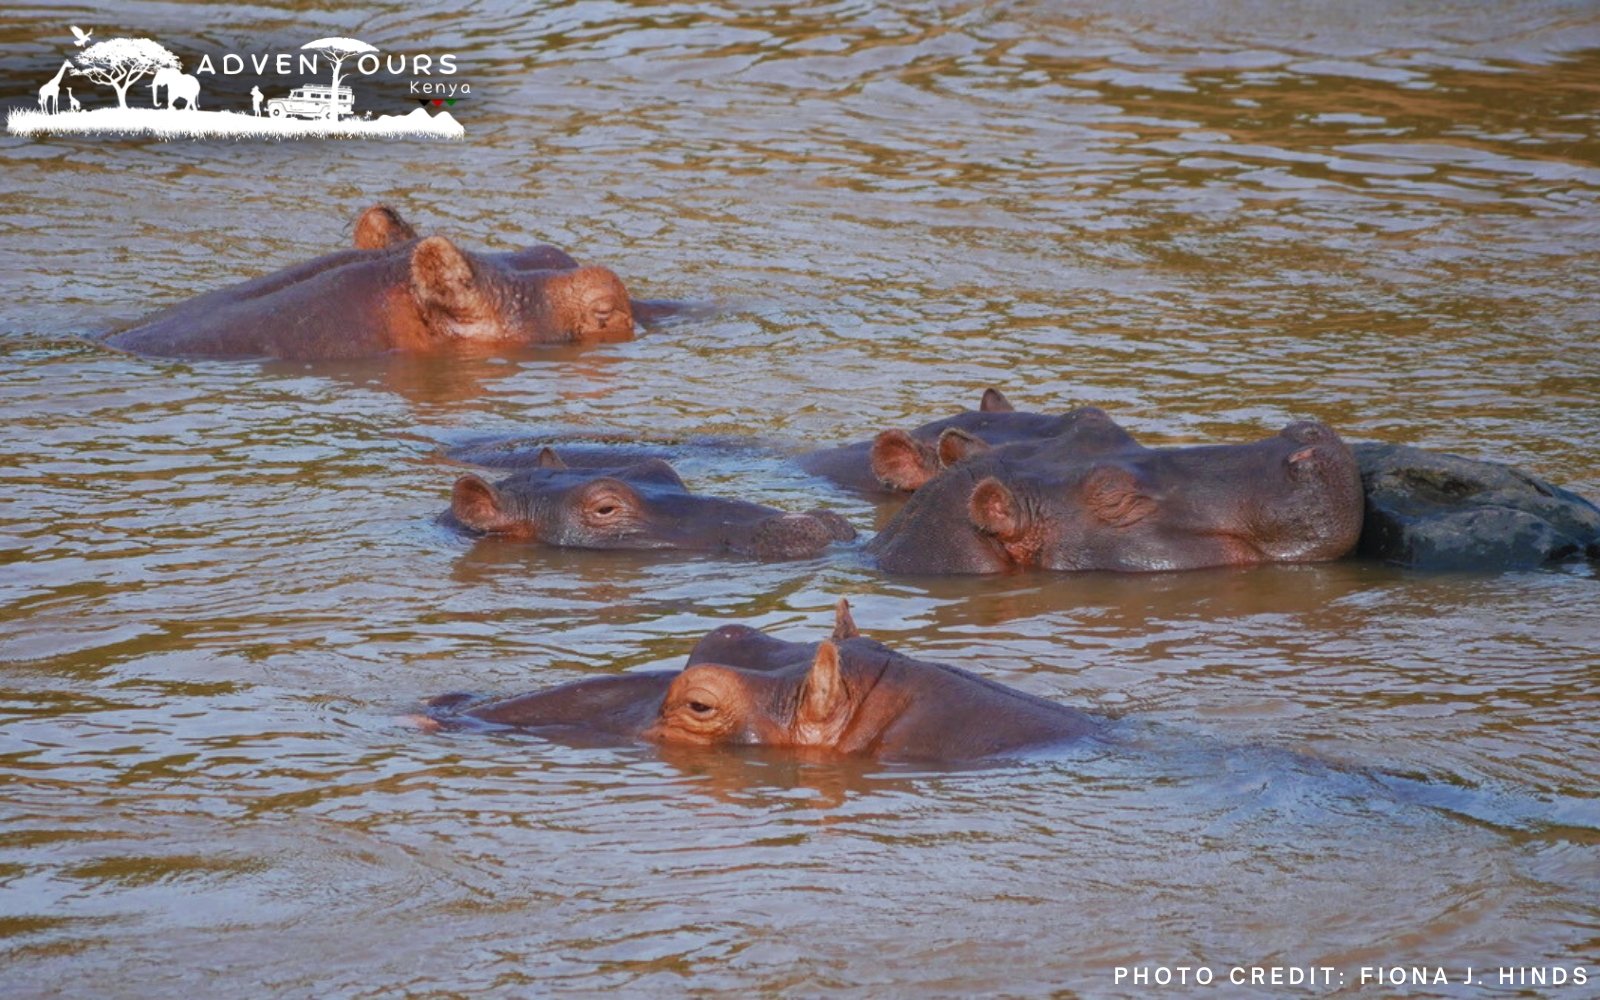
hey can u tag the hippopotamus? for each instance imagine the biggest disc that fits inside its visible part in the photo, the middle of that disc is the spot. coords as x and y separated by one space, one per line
644 505
396 292
897 462
1294 497
846 694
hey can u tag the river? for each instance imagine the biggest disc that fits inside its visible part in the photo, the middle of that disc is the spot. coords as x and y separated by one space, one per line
221 585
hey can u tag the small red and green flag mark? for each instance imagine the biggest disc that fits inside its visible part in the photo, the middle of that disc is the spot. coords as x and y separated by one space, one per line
423 102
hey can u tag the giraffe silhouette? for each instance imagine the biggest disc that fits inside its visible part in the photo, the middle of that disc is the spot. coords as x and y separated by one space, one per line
50 93
72 102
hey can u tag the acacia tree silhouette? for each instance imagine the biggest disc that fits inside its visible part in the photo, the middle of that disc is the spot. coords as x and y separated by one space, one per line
336 51
120 62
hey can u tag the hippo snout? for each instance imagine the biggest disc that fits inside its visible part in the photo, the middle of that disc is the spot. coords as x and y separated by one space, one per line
798 536
835 523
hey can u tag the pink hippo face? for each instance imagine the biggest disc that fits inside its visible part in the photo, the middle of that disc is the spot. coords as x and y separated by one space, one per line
844 695
493 298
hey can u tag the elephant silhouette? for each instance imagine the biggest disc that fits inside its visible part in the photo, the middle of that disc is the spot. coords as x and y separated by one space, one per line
180 87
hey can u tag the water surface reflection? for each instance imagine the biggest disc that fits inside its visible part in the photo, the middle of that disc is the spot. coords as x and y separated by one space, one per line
220 583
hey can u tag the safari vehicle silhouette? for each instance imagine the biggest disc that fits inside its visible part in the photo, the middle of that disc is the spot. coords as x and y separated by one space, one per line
313 101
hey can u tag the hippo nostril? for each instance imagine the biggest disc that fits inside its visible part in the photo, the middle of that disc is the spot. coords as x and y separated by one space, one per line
603 309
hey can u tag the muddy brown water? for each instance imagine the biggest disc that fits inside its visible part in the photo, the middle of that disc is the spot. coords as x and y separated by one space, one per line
219 583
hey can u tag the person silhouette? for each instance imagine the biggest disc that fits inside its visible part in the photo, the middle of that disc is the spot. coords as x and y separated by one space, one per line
255 100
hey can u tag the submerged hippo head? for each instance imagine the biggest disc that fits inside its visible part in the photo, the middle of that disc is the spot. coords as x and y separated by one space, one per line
898 461
640 506
858 697
846 694
393 292
710 703
533 295
490 298
1295 497
902 461
908 460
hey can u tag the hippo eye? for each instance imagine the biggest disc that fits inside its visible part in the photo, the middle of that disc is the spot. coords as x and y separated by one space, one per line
606 504
699 708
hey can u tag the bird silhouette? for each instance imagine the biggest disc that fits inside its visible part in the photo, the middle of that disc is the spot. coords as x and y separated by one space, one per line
80 35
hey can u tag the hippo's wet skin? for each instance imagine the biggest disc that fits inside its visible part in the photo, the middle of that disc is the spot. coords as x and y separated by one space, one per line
1294 497
897 462
395 292
847 695
381 227
640 506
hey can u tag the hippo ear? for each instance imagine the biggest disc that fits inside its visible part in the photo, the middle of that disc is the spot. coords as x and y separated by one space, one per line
956 446
995 401
1303 464
548 459
1114 495
380 227
994 510
442 279
819 716
901 462
477 505
844 627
